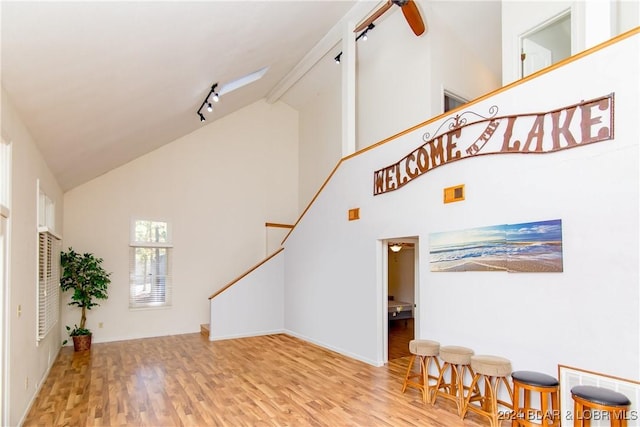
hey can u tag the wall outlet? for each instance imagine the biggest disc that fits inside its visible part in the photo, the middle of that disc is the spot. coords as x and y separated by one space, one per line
100 325
19 310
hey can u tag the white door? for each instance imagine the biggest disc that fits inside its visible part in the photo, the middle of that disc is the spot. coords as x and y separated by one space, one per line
534 57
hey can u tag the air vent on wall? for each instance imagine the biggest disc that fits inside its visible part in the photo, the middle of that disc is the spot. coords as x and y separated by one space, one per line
454 194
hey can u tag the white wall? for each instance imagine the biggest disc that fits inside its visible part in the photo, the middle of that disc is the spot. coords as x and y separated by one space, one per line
28 361
217 187
523 16
586 316
252 306
627 15
592 22
400 82
317 97
401 77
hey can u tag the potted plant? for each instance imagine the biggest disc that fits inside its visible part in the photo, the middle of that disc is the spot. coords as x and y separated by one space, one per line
87 278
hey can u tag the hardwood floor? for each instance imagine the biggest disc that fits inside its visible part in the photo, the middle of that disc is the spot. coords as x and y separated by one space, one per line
273 380
399 335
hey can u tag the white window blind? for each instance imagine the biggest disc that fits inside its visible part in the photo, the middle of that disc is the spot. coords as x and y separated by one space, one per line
150 265
48 281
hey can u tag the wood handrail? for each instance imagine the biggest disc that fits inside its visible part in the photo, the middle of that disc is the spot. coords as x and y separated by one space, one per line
511 85
236 280
277 225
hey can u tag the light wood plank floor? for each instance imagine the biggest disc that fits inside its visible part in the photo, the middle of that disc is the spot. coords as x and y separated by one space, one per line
274 380
400 333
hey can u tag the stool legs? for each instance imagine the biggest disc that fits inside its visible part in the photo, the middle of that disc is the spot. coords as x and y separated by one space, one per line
455 388
524 414
452 388
489 400
423 376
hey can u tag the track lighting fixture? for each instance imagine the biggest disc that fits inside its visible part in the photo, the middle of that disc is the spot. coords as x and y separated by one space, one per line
362 35
206 102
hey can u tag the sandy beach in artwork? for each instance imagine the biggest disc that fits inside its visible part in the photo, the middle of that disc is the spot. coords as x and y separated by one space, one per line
535 266
512 266
470 265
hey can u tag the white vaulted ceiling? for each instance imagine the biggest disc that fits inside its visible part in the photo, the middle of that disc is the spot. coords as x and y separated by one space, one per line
100 83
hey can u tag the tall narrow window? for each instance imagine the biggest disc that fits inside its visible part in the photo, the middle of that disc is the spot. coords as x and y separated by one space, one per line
49 245
150 264
48 281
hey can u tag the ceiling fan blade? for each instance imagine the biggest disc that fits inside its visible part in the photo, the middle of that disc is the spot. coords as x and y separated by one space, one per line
412 15
377 14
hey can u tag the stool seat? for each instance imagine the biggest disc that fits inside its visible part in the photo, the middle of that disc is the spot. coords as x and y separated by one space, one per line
424 347
611 405
493 366
457 362
456 355
493 371
601 396
525 383
535 378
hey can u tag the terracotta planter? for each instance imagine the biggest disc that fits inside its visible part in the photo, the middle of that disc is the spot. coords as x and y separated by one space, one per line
81 342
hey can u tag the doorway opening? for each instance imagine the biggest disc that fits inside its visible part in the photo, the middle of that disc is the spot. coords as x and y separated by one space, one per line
546 44
401 308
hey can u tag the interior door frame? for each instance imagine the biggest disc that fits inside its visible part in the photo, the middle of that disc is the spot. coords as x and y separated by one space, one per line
383 268
542 25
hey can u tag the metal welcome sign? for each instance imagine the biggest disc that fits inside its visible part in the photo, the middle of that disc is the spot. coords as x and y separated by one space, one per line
538 133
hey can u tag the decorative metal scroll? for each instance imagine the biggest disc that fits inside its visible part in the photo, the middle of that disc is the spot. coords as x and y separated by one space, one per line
574 126
460 120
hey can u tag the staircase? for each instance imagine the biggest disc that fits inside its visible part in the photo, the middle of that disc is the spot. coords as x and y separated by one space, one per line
204 329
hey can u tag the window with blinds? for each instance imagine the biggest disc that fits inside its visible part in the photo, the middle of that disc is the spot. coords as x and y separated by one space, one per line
48 281
150 264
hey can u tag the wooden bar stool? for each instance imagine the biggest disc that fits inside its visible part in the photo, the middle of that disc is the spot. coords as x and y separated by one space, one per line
547 386
587 398
457 361
427 351
493 371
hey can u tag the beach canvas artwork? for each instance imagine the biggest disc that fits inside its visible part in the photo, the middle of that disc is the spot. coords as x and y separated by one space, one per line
475 249
526 247
534 246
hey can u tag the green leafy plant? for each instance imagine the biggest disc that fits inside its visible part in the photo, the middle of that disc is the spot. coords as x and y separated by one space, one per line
76 331
85 276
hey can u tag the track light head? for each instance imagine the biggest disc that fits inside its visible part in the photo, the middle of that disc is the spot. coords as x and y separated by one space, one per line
209 107
202 119
337 58
363 35
215 97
